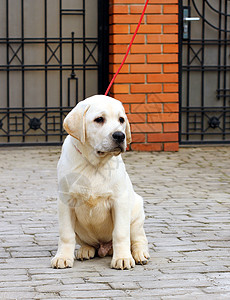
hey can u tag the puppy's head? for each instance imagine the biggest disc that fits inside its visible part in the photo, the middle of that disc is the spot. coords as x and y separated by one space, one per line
101 123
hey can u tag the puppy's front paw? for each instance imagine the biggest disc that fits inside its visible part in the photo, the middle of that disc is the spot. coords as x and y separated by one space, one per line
85 252
141 256
61 262
122 263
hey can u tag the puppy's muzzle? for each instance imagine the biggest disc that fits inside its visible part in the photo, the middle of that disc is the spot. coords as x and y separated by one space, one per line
118 137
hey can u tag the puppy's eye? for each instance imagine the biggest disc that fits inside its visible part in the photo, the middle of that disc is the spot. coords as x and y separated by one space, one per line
122 120
99 120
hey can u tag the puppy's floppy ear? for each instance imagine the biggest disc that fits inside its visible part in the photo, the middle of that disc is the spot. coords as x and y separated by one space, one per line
128 131
74 122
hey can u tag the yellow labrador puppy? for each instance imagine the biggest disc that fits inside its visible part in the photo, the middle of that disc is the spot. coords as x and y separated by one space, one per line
98 207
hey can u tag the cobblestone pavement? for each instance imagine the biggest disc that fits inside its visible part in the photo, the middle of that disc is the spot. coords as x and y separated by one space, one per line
187 206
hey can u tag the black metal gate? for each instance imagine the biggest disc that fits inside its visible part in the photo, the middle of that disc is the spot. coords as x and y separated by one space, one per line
204 71
54 53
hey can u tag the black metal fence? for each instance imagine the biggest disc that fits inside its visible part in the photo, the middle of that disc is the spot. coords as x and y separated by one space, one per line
43 77
204 72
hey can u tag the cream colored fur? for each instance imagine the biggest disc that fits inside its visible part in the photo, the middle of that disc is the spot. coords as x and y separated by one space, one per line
97 202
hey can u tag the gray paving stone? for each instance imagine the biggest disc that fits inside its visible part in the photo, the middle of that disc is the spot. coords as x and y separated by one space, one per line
195 296
93 293
15 284
186 198
17 295
128 285
72 287
12 277
143 293
181 282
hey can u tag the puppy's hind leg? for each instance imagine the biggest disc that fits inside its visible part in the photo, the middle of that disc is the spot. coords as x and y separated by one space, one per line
139 243
85 252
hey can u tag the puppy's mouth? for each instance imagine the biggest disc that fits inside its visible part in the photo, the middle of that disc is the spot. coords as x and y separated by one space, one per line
115 151
118 149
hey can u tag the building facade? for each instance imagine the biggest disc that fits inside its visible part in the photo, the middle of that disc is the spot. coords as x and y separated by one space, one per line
174 84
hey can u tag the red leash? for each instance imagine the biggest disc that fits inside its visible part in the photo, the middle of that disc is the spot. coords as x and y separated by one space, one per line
127 52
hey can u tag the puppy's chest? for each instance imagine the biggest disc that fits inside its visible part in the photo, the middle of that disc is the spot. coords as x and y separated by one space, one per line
94 198
93 211
91 191
92 186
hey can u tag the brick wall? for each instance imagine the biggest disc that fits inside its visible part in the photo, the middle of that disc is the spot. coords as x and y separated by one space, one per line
148 82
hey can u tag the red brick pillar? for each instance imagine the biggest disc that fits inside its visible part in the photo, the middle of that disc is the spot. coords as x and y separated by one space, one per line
148 82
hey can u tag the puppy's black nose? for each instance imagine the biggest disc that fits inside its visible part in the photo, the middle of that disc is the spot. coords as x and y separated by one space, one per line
118 136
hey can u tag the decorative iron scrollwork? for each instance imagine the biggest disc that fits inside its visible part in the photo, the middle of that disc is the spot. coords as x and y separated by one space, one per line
225 14
35 123
205 73
44 57
214 122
